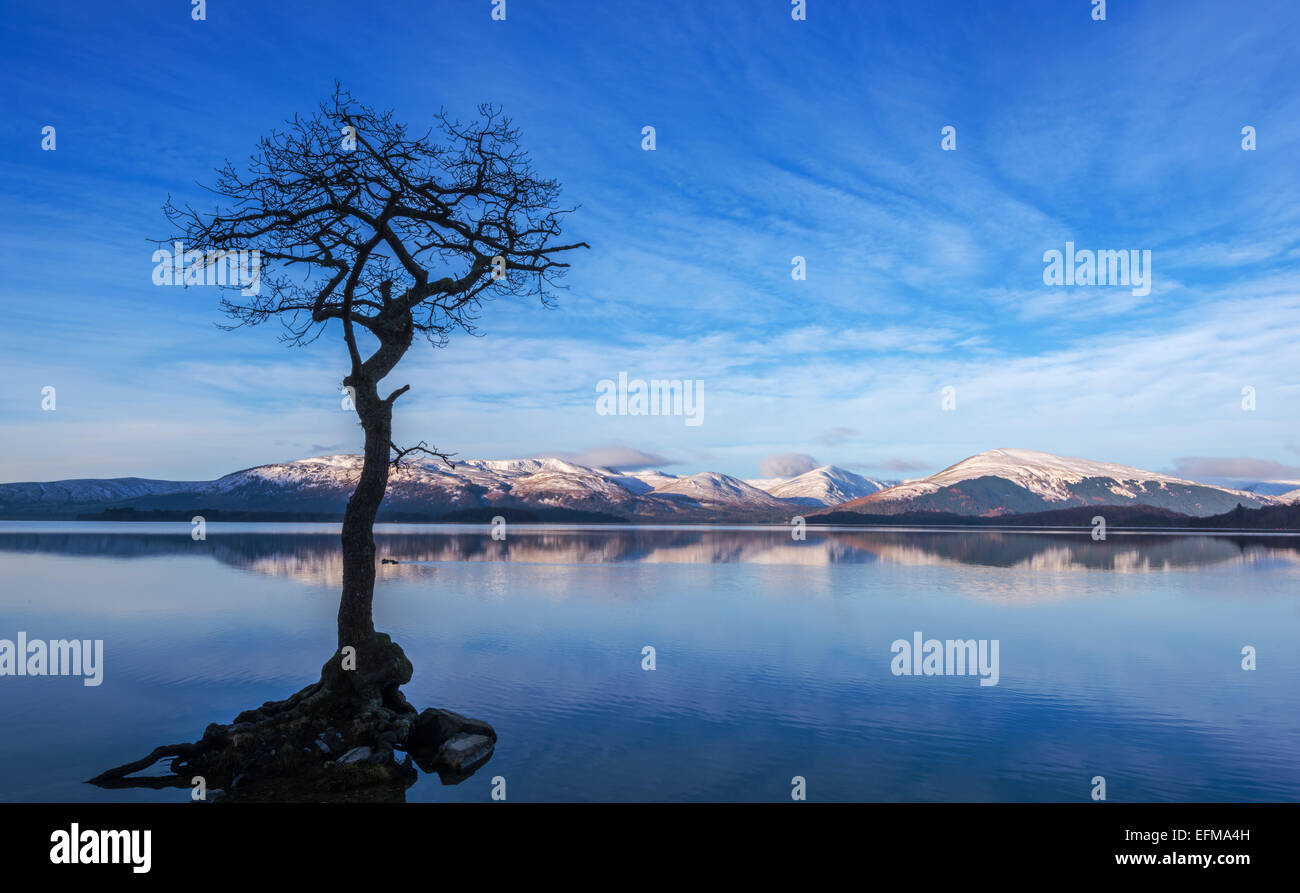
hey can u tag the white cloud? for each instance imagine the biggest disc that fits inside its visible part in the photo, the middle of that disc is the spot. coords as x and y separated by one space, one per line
786 465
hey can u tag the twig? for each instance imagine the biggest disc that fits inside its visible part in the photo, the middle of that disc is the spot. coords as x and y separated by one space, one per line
420 447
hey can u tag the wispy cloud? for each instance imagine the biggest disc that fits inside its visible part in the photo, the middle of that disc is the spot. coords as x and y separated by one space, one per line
1237 468
617 458
924 267
786 465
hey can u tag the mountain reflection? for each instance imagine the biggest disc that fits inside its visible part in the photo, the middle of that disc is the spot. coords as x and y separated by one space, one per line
311 553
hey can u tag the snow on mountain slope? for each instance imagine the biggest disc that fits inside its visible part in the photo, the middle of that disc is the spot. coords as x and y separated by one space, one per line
1269 488
640 482
824 486
712 489
1007 481
572 487
1288 498
1044 474
429 485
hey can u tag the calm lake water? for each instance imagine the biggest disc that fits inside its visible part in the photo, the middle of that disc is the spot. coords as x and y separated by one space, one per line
1120 658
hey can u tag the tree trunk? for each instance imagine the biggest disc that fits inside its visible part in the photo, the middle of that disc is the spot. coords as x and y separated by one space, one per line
356 625
380 667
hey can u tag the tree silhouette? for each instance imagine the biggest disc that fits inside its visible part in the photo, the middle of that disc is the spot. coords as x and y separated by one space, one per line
367 231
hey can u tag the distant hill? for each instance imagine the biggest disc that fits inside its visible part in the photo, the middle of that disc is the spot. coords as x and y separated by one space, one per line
426 489
1013 481
824 486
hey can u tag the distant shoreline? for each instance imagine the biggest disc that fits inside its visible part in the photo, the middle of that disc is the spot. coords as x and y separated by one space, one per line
1284 518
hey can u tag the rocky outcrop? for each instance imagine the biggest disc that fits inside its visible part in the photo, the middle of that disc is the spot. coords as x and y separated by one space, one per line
352 731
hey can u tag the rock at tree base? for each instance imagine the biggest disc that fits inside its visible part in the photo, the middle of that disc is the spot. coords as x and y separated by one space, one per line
431 743
463 754
434 727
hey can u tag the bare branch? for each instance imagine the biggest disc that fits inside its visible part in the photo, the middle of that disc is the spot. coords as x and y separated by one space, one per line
394 232
400 453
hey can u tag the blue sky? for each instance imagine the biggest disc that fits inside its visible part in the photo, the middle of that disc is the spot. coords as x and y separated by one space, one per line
775 138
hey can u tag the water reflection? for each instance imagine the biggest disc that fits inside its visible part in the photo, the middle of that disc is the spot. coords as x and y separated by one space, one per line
310 553
1123 654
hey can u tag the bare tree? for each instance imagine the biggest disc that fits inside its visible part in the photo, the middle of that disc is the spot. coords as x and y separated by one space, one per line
381 236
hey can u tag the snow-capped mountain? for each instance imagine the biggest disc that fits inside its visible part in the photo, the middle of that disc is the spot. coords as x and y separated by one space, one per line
1268 488
426 486
551 488
1010 481
430 486
83 492
720 492
998 482
824 486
